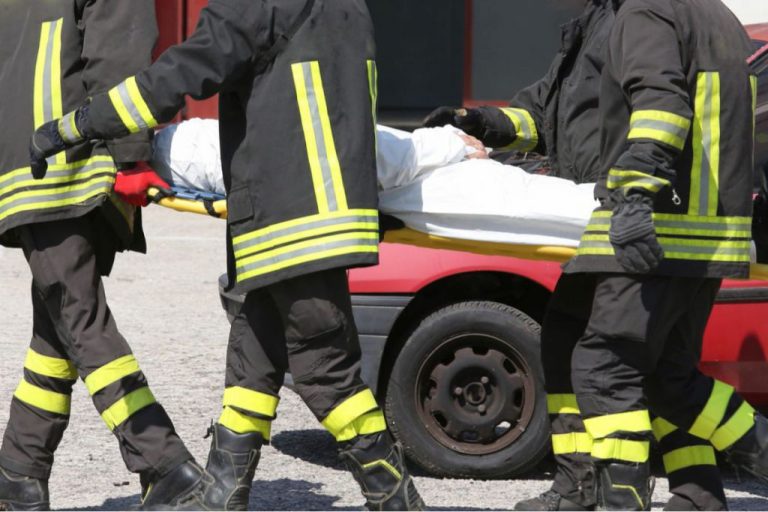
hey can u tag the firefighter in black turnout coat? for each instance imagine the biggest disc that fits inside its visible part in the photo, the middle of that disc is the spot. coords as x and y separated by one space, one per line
69 225
297 80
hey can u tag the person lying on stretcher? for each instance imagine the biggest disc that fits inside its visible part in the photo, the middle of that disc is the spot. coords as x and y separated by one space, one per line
438 181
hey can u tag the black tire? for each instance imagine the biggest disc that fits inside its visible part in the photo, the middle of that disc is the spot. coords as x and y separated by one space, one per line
488 351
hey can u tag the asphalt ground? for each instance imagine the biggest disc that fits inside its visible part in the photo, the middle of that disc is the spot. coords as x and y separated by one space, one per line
167 306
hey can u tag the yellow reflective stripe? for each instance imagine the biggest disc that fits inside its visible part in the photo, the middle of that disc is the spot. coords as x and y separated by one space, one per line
713 412
349 410
244 424
386 465
111 373
266 255
633 421
44 399
689 456
106 181
572 442
677 248
373 90
705 169
50 366
661 126
753 86
57 107
68 178
122 111
54 167
714 148
251 401
627 179
40 65
662 428
368 423
138 101
735 428
562 404
127 406
527 136
621 449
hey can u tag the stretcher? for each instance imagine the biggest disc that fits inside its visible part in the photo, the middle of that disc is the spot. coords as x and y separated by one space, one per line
215 205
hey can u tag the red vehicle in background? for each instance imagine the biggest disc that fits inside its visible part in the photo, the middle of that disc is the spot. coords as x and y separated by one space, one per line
450 339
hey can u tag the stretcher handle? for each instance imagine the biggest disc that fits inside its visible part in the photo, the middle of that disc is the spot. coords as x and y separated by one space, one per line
216 209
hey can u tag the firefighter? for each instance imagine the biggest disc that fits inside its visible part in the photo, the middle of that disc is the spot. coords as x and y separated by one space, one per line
70 225
297 83
677 119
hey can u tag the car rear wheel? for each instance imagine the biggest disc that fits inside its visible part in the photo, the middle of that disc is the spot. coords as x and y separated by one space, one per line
466 395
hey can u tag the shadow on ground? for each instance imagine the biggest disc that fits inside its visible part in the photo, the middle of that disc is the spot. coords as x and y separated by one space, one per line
125 503
289 494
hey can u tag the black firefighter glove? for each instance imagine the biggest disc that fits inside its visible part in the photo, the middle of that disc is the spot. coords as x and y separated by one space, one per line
489 124
54 137
633 234
760 226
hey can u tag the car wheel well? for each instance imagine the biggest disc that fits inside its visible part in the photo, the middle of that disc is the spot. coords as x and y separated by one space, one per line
519 292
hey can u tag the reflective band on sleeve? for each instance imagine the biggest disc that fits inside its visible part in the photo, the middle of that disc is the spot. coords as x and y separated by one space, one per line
660 126
386 465
244 424
633 421
111 373
47 87
735 428
572 442
689 456
621 449
131 107
318 136
251 401
50 366
705 168
713 412
662 428
368 423
562 404
349 410
127 406
527 136
44 399
627 180
68 129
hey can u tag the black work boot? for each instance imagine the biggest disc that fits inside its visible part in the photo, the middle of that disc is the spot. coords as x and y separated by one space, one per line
550 500
19 492
624 486
750 453
232 462
378 465
183 488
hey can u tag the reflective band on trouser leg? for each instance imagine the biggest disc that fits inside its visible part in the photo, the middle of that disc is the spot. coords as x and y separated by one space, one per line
527 136
241 423
251 401
689 456
624 450
127 406
50 366
44 399
627 180
714 411
341 420
573 442
633 421
562 404
662 428
660 126
705 169
47 88
735 428
318 136
111 373
131 107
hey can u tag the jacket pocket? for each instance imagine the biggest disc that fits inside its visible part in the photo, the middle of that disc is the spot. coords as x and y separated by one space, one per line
239 205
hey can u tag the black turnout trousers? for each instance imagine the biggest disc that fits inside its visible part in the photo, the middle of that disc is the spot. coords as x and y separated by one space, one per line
631 343
75 334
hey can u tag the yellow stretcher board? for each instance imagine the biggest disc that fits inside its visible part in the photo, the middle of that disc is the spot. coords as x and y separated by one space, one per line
419 239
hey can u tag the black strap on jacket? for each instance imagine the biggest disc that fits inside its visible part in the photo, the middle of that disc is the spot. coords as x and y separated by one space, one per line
282 41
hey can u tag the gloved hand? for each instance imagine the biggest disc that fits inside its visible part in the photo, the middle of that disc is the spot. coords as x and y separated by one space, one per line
760 226
489 124
132 185
633 235
45 143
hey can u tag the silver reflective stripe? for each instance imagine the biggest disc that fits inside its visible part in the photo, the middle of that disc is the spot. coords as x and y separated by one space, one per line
663 126
522 123
46 196
308 227
68 129
130 106
706 160
314 108
285 258
7 186
48 79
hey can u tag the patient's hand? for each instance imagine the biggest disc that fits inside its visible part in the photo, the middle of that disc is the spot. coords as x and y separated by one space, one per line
474 143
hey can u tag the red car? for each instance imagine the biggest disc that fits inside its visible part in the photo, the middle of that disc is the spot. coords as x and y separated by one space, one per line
451 346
